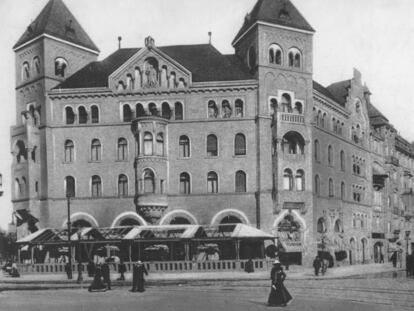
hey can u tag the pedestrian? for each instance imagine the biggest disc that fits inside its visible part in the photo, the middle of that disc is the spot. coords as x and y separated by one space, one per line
317 265
106 275
91 268
412 263
279 295
68 270
408 265
394 259
97 284
248 267
121 270
381 258
14 273
325 264
138 277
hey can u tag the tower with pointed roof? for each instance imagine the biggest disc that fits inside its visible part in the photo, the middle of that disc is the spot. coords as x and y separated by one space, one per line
53 47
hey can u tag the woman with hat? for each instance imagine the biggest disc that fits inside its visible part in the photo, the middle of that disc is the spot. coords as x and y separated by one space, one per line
138 280
279 295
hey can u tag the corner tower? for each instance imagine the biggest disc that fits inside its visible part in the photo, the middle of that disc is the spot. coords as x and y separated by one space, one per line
275 42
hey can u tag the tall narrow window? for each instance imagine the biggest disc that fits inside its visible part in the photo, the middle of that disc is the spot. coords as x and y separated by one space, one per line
96 186
153 109
122 185
212 146
36 63
316 151
239 108
185 183
60 67
240 181
69 115
212 109
184 147
149 181
139 110
300 180
122 149
226 109
178 111
95 114
331 187
275 54
165 111
126 113
69 151
342 191
70 186
317 185
342 160
286 103
148 143
330 155
160 144
240 144
287 179
212 182
83 115
25 71
96 150
17 188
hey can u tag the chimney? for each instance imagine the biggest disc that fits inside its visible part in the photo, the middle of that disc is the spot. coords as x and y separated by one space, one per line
119 42
209 37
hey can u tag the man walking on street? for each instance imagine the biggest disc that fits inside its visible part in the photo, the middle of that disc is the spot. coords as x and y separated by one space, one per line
317 265
138 277
106 275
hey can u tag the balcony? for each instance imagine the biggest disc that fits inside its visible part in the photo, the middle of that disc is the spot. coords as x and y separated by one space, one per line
292 118
392 160
293 157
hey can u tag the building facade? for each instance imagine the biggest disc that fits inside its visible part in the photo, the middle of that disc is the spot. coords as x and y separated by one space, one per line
187 135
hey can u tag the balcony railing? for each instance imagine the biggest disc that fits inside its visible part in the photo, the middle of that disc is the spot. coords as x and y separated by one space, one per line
392 160
292 118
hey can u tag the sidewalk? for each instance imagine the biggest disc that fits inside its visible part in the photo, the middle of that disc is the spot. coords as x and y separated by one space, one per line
56 281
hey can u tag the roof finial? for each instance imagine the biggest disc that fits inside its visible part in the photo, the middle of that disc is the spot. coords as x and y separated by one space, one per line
209 37
119 42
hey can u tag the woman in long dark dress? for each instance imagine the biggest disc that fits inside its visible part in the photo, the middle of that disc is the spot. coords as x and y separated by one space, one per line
279 295
97 284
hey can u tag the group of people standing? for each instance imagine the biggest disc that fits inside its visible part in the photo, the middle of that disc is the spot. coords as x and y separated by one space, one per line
320 265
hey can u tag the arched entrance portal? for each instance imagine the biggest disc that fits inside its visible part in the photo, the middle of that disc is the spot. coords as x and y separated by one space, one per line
289 233
378 252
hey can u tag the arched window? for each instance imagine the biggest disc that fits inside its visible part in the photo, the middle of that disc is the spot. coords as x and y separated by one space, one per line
148 143
321 226
342 191
317 185
139 111
287 179
230 219
83 115
239 108
21 151
298 108
240 144
338 226
81 223
122 149
69 151
180 221
69 115
212 146
212 109
160 144
316 151
273 106
251 57
294 58
126 113
70 190
122 185
342 160
165 111
226 109
323 121
275 54
212 182
129 82
95 114
286 103
25 71
17 188
240 181
331 187
300 180
185 183
149 181
184 147
330 155
60 66
293 143
96 186
36 64
178 111
96 150
153 109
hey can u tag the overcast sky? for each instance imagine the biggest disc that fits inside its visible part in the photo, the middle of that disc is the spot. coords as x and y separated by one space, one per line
375 36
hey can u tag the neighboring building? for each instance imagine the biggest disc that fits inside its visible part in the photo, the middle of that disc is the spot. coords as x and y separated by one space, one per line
185 134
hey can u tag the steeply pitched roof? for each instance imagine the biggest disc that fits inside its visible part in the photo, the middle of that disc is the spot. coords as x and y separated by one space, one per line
203 61
56 20
339 90
323 90
278 12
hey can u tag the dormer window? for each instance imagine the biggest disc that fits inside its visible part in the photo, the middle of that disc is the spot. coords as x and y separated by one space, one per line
60 67
295 58
275 54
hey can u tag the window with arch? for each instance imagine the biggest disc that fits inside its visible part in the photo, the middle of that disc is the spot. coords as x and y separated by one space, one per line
226 109
69 151
286 103
95 114
17 188
153 110
25 71
300 180
273 106
293 143
36 65
295 58
149 181
330 155
240 144
60 67
317 150
70 190
212 182
212 149
287 179
96 186
275 54
298 109
21 152
24 187
240 181
166 111
160 144
148 144
122 185
342 160
184 147
343 194
321 225
185 183
96 150
238 105
69 115
323 120
83 115
331 188
178 111
126 113
338 226
122 149
317 185
129 82
212 109
251 57
139 110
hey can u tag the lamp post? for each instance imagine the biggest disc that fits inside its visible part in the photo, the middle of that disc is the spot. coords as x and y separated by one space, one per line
69 272
80 278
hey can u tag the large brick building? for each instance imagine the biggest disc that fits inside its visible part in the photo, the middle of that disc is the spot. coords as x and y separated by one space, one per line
185 134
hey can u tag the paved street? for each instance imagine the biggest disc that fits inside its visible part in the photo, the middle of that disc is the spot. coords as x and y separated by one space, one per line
381 293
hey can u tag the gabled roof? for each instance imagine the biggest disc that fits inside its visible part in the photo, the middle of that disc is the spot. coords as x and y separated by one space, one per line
278 12
339 90
204 61
323 90
56 20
